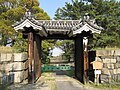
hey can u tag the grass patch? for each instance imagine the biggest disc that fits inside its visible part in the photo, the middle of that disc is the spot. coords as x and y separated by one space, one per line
4 49
53 85
71 73
107 48
4 87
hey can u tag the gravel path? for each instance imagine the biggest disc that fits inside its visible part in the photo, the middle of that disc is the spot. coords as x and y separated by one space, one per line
60 81
68 85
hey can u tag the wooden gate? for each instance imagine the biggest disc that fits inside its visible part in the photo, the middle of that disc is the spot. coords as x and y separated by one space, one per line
34 48
37 57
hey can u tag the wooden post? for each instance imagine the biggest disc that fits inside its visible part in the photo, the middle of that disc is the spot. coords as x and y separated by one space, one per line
79 58
30 57
85 50
37 57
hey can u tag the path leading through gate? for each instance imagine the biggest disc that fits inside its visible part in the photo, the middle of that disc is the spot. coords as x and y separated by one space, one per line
37 30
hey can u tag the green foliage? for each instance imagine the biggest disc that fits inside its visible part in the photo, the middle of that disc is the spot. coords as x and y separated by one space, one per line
106 14
67 46
12 11
47 46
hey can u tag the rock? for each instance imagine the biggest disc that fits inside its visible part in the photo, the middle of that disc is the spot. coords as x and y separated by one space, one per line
25 74
110 66
18 76
109 60
105 71
19 66
3 57
117 65
117 53
20 56
118 71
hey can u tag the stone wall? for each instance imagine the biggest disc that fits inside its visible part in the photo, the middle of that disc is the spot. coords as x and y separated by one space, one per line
111 64
13 67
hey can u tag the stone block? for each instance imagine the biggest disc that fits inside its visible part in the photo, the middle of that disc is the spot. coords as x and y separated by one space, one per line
3 57
10 57
103 52
7 78
19 65
25 74
104 78
26 64
117 65
20 56
110 66
6 57
105 71
18 76
109 60
108 53
118 71
25 81
117 53
113 71
6 67
104 65
98 59
118 59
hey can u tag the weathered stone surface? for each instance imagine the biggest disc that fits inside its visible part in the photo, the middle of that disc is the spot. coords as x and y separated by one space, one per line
113 71
118 71
18 76
104 65
104 78
105 71
6 57
108 53
14 66
20 56
98 59
110 66
10 57
118 59
19 65
26 64
6 67
109 60
117 53
25 74
3 57
117 65
103 52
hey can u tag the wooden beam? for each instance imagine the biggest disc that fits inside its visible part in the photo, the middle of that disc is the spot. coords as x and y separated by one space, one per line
79 58
85 50
37 57
30 57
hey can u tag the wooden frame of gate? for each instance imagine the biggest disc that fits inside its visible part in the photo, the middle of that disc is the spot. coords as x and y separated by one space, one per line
36 30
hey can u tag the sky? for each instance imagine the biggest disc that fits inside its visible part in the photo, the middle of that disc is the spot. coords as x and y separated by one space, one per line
50 6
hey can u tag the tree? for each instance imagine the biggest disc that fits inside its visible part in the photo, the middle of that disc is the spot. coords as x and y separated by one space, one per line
67 47
11 11
105 12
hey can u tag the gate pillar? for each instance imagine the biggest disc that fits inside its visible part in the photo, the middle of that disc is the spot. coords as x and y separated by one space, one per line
81 59
34 56
37 57
30 57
